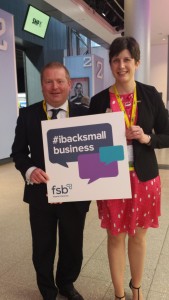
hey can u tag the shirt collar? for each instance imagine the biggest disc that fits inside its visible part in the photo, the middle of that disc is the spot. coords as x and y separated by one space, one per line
64 106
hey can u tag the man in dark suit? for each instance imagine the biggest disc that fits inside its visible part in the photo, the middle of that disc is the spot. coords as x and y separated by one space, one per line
45 218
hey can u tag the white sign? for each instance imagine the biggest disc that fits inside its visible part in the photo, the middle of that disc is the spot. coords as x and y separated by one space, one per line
8 83
86 158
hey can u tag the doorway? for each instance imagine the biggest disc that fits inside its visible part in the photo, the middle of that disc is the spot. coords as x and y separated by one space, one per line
21 80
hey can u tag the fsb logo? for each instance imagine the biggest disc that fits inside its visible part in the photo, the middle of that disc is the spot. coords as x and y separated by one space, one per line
62 190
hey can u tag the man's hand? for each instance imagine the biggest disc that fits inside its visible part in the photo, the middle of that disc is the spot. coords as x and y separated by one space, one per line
38 176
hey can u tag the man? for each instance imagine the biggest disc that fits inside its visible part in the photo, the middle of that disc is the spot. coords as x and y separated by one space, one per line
45 218
79 98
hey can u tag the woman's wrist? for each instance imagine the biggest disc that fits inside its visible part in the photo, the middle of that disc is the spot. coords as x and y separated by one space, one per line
148 143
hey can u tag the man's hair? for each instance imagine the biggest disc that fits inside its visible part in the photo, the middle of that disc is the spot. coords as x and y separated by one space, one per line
55 65
123 43
78 83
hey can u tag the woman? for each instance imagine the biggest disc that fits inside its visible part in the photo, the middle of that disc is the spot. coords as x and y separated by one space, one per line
147 128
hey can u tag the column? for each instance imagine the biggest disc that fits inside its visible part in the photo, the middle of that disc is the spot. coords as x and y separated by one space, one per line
137 24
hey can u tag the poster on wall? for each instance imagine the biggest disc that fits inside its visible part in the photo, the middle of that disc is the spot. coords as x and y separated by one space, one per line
88 66
87 161
79 93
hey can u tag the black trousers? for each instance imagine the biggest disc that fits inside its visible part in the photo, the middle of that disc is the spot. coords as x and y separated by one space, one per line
44 224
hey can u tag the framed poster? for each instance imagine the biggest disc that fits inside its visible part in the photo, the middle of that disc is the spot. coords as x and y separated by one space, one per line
79 93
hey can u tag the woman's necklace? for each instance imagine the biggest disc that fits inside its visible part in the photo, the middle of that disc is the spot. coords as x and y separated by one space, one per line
122 108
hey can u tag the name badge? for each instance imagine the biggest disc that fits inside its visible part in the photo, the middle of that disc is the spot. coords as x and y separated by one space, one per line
130 156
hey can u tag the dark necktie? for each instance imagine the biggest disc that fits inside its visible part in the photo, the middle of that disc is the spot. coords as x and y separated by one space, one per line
54 113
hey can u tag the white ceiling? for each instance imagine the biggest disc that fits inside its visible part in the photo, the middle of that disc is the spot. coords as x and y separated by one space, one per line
86 17
78 15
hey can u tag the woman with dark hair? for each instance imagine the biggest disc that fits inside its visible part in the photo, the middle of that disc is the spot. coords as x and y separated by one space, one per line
147 128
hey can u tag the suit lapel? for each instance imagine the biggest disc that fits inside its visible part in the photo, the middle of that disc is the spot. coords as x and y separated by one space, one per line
141 107
40 112
106 103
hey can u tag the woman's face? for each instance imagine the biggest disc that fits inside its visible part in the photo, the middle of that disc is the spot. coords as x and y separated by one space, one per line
123 67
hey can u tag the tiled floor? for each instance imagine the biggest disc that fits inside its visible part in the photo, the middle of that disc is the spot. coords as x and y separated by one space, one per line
17 277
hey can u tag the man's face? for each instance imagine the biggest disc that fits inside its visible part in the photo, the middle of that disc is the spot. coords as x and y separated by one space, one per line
79 89
55 86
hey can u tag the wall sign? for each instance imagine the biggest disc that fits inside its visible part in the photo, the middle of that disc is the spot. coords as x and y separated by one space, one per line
8 85
3 43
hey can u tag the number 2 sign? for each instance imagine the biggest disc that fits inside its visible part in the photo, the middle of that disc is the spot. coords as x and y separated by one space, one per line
3 43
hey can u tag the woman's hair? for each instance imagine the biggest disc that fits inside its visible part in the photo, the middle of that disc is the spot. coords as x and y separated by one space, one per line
55 65
123 43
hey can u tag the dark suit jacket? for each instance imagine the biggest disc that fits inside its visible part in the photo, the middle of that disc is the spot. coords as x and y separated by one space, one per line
152 117
27 150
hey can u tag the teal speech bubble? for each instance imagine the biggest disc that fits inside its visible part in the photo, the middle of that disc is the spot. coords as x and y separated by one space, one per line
111 153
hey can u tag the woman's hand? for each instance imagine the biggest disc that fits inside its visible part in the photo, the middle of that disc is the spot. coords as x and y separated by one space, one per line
136 132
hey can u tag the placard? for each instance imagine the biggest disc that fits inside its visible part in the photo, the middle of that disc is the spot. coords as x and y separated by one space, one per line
86 158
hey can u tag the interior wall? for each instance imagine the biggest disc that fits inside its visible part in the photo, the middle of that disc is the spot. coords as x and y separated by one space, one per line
39 52
158 69
34 93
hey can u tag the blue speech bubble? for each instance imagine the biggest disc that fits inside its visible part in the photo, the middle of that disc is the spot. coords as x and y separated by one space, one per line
66 144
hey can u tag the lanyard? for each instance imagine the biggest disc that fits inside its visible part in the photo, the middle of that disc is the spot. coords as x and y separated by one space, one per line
134 107
45 110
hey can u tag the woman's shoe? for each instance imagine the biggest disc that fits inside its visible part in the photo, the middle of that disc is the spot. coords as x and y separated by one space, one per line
135 288
119 298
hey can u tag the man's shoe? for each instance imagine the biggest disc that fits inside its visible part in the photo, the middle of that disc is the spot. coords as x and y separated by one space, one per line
71 294
50 298
51 295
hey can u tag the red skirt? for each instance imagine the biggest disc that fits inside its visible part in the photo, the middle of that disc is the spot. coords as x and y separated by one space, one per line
142 210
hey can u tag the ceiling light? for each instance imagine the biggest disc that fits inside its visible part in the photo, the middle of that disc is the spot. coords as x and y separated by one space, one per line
105 13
